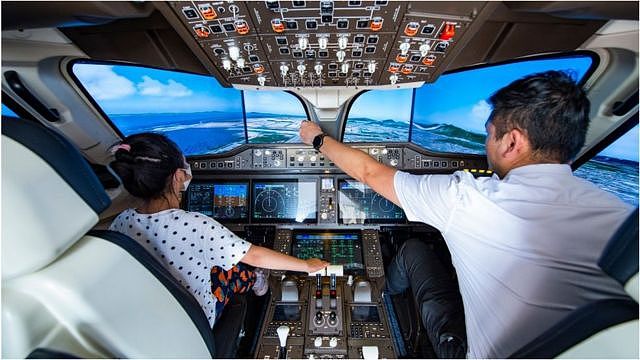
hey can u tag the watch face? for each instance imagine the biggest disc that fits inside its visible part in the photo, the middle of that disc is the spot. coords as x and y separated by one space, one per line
317 141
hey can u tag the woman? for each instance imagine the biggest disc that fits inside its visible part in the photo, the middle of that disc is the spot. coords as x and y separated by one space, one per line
203 255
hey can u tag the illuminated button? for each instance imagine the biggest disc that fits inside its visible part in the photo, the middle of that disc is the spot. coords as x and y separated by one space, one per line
429 60
300 158
448 32
394 68
207 11
407 69
411 29
202 31
402 58
277 25
242 27
376 23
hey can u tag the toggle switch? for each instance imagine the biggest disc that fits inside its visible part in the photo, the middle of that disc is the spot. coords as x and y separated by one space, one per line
323 42
301 69
284 69
404 48
234 52
424 49
318 69
303 42
261 80
371 67
343 42
226 64
340 54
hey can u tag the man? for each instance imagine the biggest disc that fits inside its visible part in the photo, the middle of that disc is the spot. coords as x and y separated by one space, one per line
524 243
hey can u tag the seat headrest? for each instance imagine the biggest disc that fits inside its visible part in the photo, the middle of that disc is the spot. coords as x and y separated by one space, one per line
50 196
620 257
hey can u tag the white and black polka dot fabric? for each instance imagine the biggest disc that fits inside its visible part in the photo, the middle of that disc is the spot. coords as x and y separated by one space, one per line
188 244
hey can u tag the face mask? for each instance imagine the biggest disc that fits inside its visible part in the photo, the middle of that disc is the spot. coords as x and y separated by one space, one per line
186 183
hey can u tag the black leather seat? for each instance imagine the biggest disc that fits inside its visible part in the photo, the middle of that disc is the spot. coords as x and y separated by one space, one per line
620 261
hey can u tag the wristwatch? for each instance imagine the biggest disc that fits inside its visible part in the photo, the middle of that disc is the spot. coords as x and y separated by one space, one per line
318 141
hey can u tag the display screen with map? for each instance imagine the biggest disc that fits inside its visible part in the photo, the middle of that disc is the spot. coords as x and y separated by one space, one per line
338 248
284 201
359 204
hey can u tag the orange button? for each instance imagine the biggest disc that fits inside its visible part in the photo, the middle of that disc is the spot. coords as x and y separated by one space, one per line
208 13
394 68
277 25
402 58
202 31
411 29
258 68
242 27
376 24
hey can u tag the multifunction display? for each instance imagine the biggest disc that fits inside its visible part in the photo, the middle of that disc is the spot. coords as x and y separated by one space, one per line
222 201
359 204
284 201
230 201
338 248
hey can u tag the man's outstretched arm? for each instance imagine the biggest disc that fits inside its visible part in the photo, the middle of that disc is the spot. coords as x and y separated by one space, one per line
355 163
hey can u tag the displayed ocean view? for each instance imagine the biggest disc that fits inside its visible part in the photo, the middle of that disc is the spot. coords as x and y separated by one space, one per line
619 177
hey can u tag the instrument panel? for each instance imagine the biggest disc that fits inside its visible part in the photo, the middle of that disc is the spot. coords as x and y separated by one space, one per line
327 43
294 184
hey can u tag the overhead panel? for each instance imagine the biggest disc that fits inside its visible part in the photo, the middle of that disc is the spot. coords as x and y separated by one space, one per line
328 43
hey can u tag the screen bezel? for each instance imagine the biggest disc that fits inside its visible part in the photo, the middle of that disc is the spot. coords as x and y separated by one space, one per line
213 183
258 220
341 220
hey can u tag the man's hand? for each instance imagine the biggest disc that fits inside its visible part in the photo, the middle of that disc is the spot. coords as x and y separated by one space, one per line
314 265
308 131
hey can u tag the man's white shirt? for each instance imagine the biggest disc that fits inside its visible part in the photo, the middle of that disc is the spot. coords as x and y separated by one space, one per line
525 248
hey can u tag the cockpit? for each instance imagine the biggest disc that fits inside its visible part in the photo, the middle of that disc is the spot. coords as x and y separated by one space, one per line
405 82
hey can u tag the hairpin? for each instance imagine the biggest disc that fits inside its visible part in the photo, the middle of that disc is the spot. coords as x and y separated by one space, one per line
125 147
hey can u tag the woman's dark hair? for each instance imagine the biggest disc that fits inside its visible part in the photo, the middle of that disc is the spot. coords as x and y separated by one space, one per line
146 163
550 108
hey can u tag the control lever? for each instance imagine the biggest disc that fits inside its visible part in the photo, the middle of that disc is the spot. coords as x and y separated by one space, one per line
289 290
283 333
333 318
333 292
362 291
318 291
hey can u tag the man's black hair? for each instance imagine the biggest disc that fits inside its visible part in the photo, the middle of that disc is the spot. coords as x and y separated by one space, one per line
146 163
550 108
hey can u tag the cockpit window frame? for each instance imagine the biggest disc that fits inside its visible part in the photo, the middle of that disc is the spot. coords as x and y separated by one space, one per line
94 103
595 62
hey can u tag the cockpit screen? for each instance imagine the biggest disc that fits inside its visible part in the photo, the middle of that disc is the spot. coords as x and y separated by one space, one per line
230 201
284 201
338 248
359 204
222 201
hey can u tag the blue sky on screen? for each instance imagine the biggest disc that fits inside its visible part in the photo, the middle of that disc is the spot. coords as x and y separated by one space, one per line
383 104
273 102
121 89
459 99
7 112
626 147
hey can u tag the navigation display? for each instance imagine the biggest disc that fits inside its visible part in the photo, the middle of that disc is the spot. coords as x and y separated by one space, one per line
359 204
338 248
230 201
222 201
284 201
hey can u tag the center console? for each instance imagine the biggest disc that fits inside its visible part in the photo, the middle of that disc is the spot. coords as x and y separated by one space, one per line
334 314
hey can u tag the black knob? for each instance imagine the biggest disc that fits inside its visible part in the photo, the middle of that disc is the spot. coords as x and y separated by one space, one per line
319 317
333 318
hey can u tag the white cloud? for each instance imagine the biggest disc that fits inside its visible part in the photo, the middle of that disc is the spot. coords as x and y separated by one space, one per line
102 82
153 87
480 112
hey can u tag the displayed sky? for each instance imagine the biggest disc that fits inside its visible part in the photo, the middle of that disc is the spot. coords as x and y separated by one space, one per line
122 89
460 98
383 105
273 102
625 147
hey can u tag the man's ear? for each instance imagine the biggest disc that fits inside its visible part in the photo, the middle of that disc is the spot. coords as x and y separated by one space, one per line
514 144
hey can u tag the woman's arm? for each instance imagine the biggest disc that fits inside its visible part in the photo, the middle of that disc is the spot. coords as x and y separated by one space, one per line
269 259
